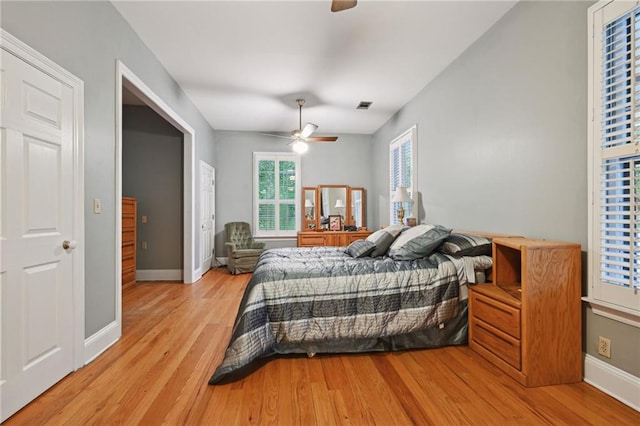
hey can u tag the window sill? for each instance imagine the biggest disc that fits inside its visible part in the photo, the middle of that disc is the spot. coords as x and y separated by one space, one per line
614 312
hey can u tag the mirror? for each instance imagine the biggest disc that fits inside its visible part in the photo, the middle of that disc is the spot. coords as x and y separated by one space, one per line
309 208
333 202
357 207
318 203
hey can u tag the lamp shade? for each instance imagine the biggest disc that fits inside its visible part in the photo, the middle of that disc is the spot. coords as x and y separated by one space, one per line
339 203
400 195
308 203
300 146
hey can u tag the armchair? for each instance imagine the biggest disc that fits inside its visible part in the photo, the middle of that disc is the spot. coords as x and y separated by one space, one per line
242 250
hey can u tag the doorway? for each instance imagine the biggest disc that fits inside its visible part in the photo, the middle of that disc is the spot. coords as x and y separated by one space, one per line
190 272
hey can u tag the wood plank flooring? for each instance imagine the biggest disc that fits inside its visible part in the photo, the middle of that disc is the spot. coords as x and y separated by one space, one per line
175 335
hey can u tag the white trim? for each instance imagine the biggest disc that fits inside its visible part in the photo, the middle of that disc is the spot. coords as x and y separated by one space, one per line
159 275
596 290
223 261
614 312
412 132
611 380
33 57
124 76
275 156
100 341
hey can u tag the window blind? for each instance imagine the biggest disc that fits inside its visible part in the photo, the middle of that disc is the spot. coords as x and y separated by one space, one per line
276 194
401 172
619 158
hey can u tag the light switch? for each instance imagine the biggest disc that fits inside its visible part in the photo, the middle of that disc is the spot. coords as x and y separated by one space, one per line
97 206
144 219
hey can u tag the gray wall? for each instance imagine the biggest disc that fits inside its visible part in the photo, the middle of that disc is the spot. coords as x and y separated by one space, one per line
152 173
502 141
347 161
87 38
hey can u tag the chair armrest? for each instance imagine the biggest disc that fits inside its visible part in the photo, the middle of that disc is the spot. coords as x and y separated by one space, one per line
257 245
231 247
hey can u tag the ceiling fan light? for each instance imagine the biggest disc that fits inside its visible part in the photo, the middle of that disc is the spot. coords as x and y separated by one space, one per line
300 147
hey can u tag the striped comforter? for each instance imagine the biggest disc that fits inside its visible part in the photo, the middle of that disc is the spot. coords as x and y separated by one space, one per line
320 299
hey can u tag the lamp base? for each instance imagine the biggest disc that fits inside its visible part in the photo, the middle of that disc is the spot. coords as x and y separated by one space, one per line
401 216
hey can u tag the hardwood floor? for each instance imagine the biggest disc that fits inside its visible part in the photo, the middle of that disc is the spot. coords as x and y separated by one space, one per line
175 335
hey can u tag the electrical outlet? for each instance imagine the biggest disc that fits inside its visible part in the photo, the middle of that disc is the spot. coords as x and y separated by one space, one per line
144 245
604 346
97 206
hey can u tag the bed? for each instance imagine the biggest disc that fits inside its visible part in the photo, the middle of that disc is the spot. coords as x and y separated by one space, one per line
402 288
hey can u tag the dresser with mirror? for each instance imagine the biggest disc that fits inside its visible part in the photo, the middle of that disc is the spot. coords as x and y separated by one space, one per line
332 215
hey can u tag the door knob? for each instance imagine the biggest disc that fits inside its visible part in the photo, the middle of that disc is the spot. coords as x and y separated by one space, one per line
69 244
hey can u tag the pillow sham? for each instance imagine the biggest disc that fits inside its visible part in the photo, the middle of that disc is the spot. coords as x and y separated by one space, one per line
383 238
459 245
417 242
360 248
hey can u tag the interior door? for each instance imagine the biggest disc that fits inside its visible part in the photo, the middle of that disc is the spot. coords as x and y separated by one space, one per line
36 217
207 215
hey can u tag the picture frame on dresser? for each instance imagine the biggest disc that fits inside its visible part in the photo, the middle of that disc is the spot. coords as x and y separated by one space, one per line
335 223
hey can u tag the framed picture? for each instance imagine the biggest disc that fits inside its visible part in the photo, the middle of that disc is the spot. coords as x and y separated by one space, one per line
335 223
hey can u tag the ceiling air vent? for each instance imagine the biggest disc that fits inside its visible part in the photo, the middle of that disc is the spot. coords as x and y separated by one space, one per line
364 105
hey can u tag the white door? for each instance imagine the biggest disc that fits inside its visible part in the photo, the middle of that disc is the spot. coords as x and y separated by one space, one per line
207 215
36 215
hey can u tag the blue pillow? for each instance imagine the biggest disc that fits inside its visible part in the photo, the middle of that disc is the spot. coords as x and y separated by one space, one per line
360 248
459 245
418 242
383 238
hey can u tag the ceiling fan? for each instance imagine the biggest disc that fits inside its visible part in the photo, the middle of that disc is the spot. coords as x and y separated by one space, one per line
340 5
301 135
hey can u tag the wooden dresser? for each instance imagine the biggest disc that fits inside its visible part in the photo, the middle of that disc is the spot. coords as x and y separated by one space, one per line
330 238
528 321
129 238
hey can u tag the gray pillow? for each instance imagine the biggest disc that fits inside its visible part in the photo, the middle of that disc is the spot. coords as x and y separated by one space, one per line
383 238
459 245
360 248
418 242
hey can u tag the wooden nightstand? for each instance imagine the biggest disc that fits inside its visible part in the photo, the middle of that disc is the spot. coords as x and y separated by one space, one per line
528 321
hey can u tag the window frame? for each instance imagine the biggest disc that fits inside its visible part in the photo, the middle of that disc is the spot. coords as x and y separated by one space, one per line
622 303
276 157
412 135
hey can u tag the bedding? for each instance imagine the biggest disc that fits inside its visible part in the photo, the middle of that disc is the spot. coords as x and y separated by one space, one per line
322 300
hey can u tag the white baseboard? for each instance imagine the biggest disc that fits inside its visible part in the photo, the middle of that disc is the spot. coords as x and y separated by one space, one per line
159 275
222 261
100 341
611 380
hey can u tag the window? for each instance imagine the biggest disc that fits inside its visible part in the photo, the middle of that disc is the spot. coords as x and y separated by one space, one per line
402 172
614 160
276 190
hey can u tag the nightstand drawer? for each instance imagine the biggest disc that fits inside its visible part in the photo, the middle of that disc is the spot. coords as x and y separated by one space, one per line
500 344
503 317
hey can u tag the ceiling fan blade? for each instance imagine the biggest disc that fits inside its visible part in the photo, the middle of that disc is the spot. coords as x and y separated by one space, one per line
340 5
276 136
308 129
322 139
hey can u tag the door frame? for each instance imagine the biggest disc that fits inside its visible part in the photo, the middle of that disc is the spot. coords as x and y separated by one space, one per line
29 55
190 271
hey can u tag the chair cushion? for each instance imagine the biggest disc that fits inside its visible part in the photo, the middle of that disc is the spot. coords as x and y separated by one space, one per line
238 253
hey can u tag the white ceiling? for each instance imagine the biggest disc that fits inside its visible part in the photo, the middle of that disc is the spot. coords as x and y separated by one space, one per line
243 63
